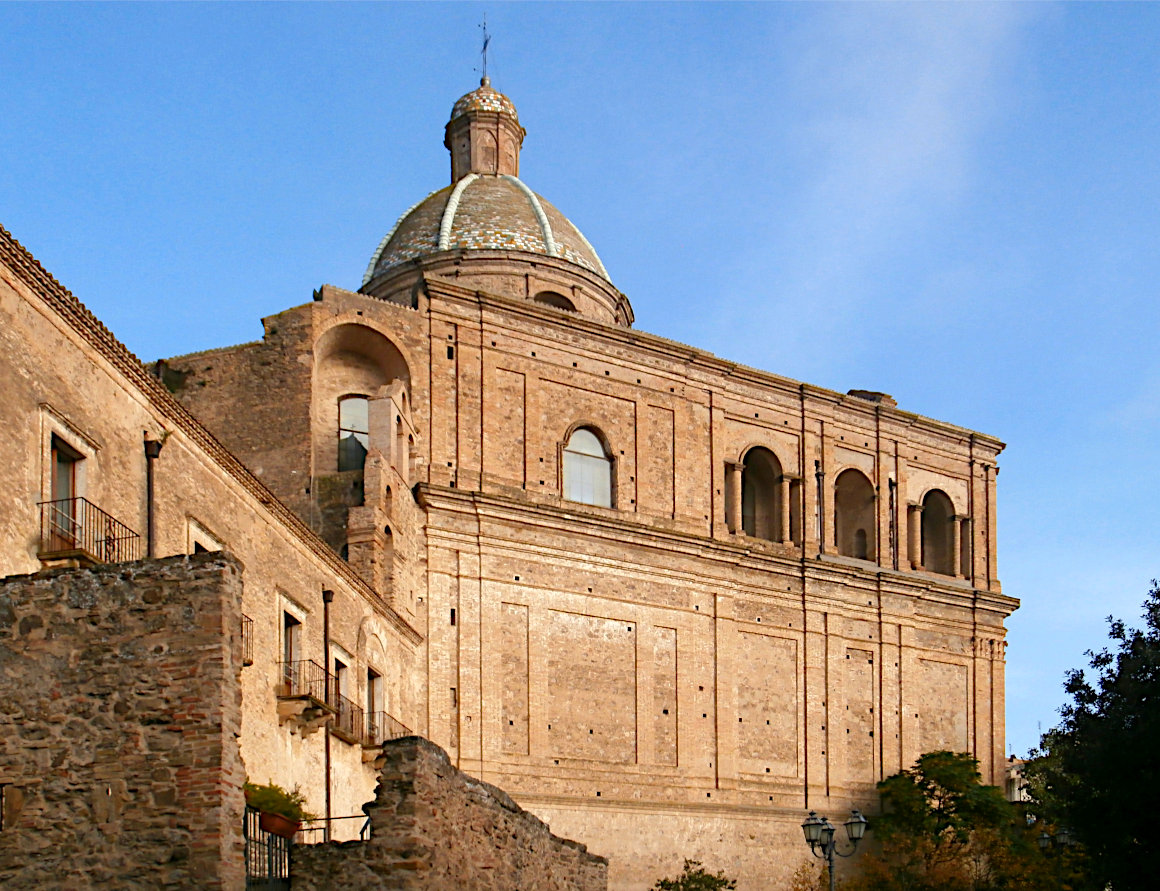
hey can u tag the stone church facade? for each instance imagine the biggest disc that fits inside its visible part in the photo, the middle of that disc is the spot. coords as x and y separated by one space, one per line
667 602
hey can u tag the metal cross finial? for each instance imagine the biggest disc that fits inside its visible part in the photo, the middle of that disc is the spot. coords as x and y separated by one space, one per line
486 41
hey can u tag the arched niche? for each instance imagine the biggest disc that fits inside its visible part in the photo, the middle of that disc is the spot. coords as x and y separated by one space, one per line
854 519
761 495
350 360
938 513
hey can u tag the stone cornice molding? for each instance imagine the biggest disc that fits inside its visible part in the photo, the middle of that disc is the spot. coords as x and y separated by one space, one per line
706 362
611 523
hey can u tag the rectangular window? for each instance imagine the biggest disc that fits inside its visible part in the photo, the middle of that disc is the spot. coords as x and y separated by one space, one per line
340 678
291 632
64 469
353 432
374 691
63 518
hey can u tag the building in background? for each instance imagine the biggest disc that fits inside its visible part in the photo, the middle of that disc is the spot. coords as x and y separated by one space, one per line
668 602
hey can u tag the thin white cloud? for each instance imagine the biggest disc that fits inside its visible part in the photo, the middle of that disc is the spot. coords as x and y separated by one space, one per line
897 99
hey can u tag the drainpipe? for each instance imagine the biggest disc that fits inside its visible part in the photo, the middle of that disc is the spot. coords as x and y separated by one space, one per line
152 452
327 597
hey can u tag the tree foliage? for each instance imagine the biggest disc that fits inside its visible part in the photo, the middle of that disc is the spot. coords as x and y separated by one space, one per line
694 878
1096 773
942 829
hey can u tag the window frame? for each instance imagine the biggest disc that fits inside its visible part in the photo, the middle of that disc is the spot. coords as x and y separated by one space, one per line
363 437
609 459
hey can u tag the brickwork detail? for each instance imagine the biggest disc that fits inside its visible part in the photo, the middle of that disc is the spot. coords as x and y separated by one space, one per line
119 726
434 827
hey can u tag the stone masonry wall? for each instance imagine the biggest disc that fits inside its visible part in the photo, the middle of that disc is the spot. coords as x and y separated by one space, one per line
120 708
434 827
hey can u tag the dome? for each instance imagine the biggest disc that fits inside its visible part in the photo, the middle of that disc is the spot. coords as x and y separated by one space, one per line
488 216
484 98
484 213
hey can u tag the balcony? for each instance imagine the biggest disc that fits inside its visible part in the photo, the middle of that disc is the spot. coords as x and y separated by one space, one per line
380 727
303 694
75 532
348 720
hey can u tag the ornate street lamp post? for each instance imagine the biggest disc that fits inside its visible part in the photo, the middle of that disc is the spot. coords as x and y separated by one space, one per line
819 834
1062 838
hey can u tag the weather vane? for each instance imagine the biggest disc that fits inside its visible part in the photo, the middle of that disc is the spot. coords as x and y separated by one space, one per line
486 41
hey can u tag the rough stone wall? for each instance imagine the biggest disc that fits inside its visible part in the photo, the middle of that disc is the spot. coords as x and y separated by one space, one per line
119 727
433 827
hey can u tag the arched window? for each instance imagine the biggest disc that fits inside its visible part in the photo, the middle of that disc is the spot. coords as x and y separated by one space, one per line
551 298
854 530
587 469
760 498
353 432
937 537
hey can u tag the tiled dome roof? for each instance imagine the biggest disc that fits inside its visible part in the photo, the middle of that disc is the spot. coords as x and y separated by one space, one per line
484 98
485 213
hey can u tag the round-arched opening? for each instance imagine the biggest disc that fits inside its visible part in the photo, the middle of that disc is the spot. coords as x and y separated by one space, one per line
352 363
938 513
854 520
761 496
587 469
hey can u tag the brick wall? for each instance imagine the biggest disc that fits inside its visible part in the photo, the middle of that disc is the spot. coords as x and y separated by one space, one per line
436 827
119 712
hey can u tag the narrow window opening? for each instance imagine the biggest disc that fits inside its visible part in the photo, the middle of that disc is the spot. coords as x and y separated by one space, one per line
353 432
340 680
374 693
291 648
63 526
452 615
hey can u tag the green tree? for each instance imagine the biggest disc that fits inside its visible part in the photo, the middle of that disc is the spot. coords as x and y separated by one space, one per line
1096 773
694 878
942 829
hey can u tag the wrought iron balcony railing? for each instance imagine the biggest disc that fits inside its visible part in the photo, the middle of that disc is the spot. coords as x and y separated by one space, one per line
348 720
382 727
75 527
305 679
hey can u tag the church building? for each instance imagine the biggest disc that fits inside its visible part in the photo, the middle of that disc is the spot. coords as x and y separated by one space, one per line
667 602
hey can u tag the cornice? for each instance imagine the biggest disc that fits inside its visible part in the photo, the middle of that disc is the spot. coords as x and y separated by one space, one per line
701 360
739 553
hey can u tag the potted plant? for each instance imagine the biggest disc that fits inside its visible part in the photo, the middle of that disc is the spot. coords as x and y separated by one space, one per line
279 812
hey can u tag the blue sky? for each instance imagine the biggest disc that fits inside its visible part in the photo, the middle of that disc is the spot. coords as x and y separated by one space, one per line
956 204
